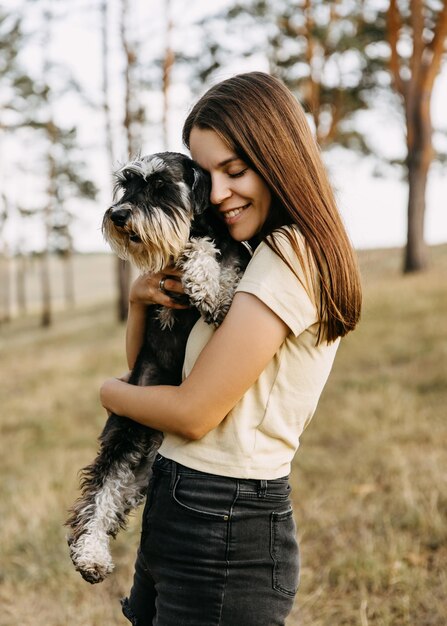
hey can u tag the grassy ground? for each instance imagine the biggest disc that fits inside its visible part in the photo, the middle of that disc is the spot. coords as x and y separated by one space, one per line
369 482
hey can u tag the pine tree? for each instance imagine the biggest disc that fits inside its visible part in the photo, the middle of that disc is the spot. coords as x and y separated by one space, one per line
339 57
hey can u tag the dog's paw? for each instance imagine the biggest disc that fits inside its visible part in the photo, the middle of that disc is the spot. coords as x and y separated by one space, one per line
201 274
91 557
94 573
198 247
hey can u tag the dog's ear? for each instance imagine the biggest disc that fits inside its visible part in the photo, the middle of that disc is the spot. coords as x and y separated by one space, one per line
200 184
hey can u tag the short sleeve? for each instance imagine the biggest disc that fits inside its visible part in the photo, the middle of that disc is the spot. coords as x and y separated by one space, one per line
271 280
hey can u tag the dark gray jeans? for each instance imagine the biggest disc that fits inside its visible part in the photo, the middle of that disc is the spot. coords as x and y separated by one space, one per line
214 551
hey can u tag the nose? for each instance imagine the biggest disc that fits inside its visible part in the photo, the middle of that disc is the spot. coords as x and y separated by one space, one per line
119 215
220 189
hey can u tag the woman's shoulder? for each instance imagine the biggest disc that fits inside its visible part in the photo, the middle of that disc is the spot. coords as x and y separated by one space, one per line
285 248
287 238
278 274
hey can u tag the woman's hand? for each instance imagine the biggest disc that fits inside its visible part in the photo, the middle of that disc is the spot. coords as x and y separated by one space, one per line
106 390
109 385
125 377
145 290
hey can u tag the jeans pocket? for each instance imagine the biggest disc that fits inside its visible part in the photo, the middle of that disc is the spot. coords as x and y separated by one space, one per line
202 497
285 553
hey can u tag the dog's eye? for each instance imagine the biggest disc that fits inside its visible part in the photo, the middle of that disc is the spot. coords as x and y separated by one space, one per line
158 183
129 175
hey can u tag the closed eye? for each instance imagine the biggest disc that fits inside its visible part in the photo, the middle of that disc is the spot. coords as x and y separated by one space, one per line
238 174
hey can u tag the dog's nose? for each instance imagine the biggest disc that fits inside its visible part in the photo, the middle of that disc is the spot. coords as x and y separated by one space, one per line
119 215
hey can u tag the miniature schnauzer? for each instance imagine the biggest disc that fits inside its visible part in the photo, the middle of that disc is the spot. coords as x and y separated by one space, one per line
162 218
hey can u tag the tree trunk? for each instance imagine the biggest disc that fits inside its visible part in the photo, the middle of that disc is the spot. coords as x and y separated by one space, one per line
5 287
46 318
123 267
21 267
420 155
168 62
130 108
105 89
123 274
416 253
69 288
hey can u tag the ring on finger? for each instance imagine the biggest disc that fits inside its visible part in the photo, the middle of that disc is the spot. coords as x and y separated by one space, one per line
161 285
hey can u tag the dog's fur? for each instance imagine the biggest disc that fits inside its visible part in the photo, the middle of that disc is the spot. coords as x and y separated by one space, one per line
162 218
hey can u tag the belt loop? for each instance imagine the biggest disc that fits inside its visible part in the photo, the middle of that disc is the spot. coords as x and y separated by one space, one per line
173 475
262 490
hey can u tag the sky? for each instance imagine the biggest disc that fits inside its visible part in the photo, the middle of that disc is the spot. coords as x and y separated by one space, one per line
373 208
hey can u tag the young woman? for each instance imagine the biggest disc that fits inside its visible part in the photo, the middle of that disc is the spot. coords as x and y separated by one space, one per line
218 545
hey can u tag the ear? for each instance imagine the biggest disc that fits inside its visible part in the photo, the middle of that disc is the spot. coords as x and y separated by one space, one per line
200 183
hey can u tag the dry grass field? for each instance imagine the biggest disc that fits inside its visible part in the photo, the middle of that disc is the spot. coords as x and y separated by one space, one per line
369 482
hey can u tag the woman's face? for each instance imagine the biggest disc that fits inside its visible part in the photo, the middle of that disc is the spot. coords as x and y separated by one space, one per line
239 194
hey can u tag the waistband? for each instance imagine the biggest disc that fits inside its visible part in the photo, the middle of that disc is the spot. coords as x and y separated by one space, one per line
247 485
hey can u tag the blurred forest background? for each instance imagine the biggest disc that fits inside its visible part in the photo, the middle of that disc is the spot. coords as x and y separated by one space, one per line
370 481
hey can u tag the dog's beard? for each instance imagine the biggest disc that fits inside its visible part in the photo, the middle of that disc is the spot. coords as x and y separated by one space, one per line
162 238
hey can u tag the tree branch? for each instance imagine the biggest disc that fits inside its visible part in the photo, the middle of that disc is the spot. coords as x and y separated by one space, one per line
417 23
105 84
393 27
168 62
314 91
436 47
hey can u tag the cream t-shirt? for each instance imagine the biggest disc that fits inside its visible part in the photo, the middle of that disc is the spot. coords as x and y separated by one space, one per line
260 435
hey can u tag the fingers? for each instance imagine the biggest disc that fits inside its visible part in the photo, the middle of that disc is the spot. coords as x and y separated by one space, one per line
166 300
125 377
172 283
172 279
161 288
169 289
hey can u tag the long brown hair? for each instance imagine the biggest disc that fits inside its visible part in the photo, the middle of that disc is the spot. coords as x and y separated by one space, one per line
258 117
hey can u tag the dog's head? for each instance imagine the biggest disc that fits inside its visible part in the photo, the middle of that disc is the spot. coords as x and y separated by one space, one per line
160 195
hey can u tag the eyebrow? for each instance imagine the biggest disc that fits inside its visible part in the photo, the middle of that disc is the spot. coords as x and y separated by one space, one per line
226 161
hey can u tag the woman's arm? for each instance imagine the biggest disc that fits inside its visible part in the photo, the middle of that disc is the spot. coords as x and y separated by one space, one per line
227 367
145 291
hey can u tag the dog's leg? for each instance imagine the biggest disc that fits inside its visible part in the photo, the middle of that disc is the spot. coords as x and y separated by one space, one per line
112 486
209 284
201 274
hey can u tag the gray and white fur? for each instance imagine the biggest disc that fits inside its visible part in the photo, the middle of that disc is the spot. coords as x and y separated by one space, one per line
162 218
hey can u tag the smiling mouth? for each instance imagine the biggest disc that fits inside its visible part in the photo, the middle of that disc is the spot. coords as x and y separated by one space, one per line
234 212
